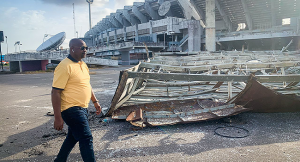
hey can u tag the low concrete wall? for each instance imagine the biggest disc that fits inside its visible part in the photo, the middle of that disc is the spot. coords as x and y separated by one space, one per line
31 65
43 64
14 66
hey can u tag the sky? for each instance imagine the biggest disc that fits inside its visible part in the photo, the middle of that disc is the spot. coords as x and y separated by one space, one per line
28 21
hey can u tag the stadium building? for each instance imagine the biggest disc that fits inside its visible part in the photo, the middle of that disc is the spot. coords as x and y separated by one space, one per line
135 32
195 25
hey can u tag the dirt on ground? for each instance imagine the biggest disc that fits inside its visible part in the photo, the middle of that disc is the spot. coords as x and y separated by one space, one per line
27 134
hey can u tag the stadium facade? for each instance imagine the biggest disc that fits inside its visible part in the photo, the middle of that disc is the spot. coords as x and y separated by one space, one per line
135 32
195 25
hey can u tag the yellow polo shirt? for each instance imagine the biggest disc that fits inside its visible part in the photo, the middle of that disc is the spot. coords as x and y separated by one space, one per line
72 77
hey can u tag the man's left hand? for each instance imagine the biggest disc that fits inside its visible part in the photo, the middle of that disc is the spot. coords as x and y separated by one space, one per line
98 108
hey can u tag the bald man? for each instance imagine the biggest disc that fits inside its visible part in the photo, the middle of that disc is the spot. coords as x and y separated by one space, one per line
71 94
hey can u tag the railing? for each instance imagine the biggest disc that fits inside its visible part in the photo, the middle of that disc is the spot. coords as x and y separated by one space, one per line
183 40
174 48
124 45
56 55
247 32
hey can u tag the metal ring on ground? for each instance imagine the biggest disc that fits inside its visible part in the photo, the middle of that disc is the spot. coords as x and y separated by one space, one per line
232 130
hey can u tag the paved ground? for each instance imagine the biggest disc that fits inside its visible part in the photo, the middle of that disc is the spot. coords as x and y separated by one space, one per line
27 134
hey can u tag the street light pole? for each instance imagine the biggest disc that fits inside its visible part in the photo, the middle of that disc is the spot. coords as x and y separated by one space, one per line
16 43
6 45
1 58
90 17
1 40
20 48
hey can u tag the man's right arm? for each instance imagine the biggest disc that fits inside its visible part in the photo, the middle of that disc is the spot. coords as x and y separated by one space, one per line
56 103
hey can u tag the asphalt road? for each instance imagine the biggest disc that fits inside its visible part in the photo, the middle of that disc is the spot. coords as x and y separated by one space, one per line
27 134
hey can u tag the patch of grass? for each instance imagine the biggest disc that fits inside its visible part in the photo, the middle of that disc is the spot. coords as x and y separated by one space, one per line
7 72
49 70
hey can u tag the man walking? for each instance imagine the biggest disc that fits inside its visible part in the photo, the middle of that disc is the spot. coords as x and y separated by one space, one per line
71 94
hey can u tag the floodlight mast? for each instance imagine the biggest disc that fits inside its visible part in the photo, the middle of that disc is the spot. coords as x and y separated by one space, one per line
74 21
90 2
17 43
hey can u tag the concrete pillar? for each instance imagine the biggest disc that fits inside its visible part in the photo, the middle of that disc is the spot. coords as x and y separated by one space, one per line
150 27
130 18
120 18
298 43
102 41
194 39
170 25
125 56
14 66
107 38
43 64
230 46
136 33
20 66
151 11
273 13
273 43
210 25
154 38
124 34
248 45
115 36
154 35
138 14
113 20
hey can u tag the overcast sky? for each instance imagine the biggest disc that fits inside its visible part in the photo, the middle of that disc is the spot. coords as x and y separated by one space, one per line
28 21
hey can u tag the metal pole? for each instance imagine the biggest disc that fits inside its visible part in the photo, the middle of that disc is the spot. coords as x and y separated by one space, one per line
1 58
74 20
90 15
6 45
